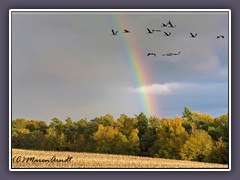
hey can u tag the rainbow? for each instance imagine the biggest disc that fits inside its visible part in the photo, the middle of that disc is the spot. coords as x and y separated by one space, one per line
135 61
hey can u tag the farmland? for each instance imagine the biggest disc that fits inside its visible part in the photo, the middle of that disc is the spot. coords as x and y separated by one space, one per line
57 159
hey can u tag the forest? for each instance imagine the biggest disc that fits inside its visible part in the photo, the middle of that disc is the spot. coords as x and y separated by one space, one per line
194 136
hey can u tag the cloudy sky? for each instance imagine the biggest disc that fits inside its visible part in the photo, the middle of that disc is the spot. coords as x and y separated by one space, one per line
69 64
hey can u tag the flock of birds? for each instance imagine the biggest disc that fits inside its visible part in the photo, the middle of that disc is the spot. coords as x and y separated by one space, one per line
168 25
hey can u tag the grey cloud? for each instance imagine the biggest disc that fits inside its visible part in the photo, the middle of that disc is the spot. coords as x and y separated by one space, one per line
71 65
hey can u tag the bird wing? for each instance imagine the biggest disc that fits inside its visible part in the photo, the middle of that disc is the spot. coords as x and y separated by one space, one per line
149 30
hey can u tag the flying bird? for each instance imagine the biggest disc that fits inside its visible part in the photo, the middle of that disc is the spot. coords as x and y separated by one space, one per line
114 32
170 24
192 35
171 54
149 31
177 53
167 34
221 36
126 31
168 54
164 25
151 54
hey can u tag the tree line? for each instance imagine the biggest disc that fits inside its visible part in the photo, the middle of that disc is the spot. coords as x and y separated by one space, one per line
194 136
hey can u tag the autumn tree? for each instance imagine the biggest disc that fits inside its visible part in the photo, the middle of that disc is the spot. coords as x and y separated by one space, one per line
133 143
195 136
19 123
126 124
198 147
219 153
171 136
106 120
108 138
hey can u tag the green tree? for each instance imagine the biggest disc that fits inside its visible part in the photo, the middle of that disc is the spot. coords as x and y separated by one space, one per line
187 114
219 153
33 140
142 124
19 123
89 132
57 124
148 139
51 139
222 127
19 137
70 132
83 136
189 121
35 125
80 144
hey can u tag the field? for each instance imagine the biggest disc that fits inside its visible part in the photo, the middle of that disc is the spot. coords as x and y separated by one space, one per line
55 159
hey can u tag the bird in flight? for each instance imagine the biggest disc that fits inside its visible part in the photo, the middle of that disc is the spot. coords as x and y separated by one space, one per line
170 24
114 32
151 54
221 36
126 31
193 35
171 54
177 53
168 54
164 25
149 31
167 34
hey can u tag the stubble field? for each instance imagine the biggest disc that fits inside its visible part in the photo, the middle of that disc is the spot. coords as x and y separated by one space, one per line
56 159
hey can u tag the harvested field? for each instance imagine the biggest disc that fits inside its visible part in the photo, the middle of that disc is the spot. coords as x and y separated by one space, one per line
56 159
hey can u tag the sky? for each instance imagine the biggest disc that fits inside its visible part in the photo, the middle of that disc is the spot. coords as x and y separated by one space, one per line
69 64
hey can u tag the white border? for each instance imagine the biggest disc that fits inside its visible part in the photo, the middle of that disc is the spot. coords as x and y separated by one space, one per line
229 88
118 10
